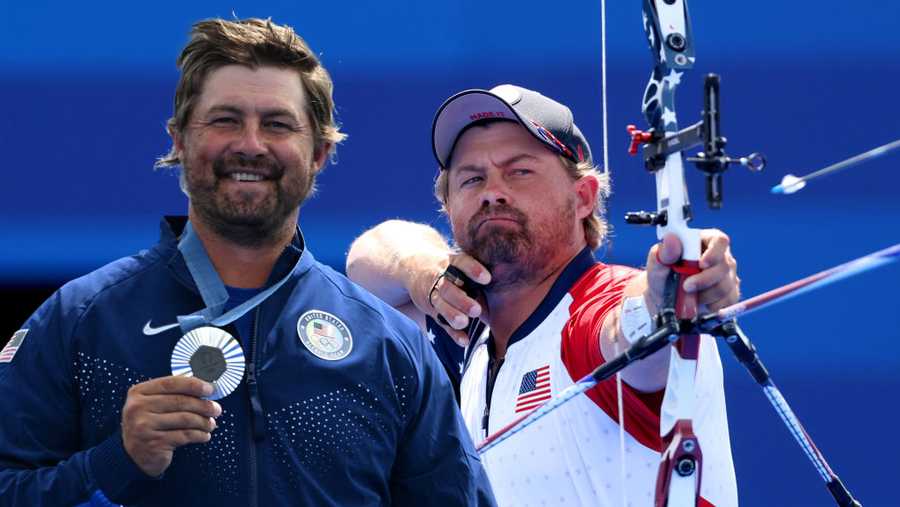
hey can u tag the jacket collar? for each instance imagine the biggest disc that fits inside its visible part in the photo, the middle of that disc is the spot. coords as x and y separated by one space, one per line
171 228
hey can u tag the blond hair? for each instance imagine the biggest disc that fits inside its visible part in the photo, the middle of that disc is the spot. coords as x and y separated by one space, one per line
595 226
253 42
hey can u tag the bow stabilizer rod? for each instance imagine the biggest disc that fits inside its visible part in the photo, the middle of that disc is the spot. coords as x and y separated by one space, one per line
795 288
745 353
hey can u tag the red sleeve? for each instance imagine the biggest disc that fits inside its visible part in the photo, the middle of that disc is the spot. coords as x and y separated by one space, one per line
594 295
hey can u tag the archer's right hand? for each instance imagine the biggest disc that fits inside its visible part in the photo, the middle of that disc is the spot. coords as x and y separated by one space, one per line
437 295
163 414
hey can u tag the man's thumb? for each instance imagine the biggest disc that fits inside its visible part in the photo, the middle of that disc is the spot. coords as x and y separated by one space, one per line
669 250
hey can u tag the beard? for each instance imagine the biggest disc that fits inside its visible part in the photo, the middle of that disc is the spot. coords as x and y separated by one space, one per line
520 253
244 217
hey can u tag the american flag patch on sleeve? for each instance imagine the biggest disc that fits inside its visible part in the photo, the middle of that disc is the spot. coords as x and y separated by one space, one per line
534 390
9 351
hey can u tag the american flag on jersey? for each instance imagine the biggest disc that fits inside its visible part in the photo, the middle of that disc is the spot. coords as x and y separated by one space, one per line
326 332
323 328
9 351
534 390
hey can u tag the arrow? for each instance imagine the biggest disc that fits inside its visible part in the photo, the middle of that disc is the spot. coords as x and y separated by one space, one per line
790 183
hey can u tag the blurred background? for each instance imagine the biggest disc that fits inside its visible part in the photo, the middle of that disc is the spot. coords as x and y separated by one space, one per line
87 88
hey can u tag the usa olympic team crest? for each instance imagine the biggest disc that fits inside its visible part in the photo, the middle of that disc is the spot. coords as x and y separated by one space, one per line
210 354
324 335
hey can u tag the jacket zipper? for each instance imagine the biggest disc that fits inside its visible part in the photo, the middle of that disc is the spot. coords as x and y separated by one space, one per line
256 415
493 370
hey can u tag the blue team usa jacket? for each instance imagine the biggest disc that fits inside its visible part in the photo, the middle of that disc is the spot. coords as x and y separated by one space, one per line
377 427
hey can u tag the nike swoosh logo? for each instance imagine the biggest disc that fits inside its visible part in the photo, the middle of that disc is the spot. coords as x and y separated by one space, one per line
150 331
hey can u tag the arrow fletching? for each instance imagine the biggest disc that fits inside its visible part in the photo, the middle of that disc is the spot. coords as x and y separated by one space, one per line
789 184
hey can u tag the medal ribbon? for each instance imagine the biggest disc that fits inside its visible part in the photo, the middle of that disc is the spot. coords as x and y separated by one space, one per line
212 289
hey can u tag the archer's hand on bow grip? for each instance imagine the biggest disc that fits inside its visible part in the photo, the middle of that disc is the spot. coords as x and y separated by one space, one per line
715 283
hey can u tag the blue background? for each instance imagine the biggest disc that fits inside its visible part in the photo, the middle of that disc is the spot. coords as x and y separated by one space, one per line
87 88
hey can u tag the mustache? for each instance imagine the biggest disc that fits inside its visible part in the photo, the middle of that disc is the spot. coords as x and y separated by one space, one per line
496 211
230 164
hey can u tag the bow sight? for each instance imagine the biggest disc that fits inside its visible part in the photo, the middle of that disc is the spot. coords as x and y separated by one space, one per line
712 160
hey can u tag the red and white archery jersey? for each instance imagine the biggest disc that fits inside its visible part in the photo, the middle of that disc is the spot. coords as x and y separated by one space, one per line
571 457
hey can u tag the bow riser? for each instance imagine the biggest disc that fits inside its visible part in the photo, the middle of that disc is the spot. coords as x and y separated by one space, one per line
668 32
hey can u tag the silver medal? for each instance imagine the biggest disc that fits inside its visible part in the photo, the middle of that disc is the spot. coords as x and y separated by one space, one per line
210 354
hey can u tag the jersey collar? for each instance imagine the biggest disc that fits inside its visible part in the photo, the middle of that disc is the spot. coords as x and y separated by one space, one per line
570 274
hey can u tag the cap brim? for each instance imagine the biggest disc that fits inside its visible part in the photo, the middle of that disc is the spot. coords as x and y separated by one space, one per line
460 111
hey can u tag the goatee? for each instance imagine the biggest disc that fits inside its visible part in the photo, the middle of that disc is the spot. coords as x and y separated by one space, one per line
504 251
517 251
244 218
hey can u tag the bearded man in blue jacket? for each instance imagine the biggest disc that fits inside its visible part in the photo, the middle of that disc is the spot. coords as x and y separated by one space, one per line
226 366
